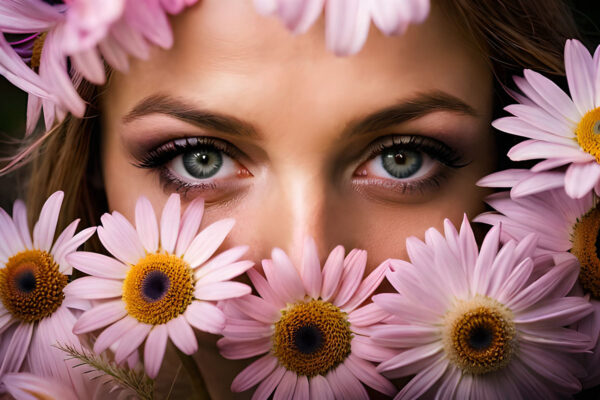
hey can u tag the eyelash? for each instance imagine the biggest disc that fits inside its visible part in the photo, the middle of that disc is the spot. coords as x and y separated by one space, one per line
159 157
440 152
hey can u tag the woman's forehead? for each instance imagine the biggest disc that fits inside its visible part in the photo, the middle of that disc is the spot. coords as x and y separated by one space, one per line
226 54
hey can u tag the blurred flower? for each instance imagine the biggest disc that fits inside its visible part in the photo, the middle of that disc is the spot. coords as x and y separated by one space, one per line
482 324
562 131
308 322
347 22
39 37
160 285
34 312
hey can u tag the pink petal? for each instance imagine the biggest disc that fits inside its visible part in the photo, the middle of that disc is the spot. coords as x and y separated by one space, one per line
581 178
19 344
535 117
221 260
516 126
254 373
367 315
182 335
311 269
154 350
120 239
332 273
98 265
549 96
29 386
410 361
283 277
226 272
536 149
423 381
205 317
320 389
354 269
90 65
90 287
234 349
149 19
100 316
9 235
169 223
367 374
113 54
267 386
146 225
578 64
345 385
346 26
70 247
113 333
190 223
365 348
207 242
264 289
20 219
506 178
537 183
285 388
221 290
367 287
131 341
302 391
259 309
562 311
43 232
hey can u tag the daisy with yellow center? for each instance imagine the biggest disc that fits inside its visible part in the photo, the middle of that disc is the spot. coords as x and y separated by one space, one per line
482 324
161 282
562 131
566 227
306 324
35 309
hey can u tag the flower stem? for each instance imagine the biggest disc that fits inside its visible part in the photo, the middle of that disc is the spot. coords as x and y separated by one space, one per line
198 383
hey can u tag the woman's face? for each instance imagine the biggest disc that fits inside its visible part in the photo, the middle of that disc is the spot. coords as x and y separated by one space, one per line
290 140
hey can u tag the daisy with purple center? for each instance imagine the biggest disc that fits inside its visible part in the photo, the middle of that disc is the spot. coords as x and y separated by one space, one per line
562 131
35 308
347 22
161 282
307 325
482 324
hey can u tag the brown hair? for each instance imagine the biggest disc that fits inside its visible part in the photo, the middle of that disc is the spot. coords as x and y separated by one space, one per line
515 34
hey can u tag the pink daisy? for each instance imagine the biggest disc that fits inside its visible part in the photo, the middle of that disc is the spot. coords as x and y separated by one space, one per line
482 324
43 35
565 227
562 131
307 323
35 310
161 282
347 22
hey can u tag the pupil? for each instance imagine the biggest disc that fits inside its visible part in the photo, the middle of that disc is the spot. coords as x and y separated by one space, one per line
25 281
203 163
480 338
308 339
401 163
155 285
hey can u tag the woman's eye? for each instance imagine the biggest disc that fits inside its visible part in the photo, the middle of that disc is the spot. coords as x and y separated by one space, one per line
203 163
398 163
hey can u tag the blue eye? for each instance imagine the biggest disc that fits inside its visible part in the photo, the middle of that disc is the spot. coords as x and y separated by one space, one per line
202 163
401 163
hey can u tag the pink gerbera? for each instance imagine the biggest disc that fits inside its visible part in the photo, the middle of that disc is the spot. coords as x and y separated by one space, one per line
308 323
161 283
347 22
562 131
566 227
483 324
35 310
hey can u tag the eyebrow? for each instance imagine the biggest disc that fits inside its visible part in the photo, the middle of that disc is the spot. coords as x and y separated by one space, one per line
413 108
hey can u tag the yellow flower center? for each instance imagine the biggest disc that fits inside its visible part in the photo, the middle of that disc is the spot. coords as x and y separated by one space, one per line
31 286
586 247
158 288
312 337
38 45
588 133
479 335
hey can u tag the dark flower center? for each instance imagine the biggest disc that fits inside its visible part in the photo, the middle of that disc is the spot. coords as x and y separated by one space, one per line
308 339
25 281
155 285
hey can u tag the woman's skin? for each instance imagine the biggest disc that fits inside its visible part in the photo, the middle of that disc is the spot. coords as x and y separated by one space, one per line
303 145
